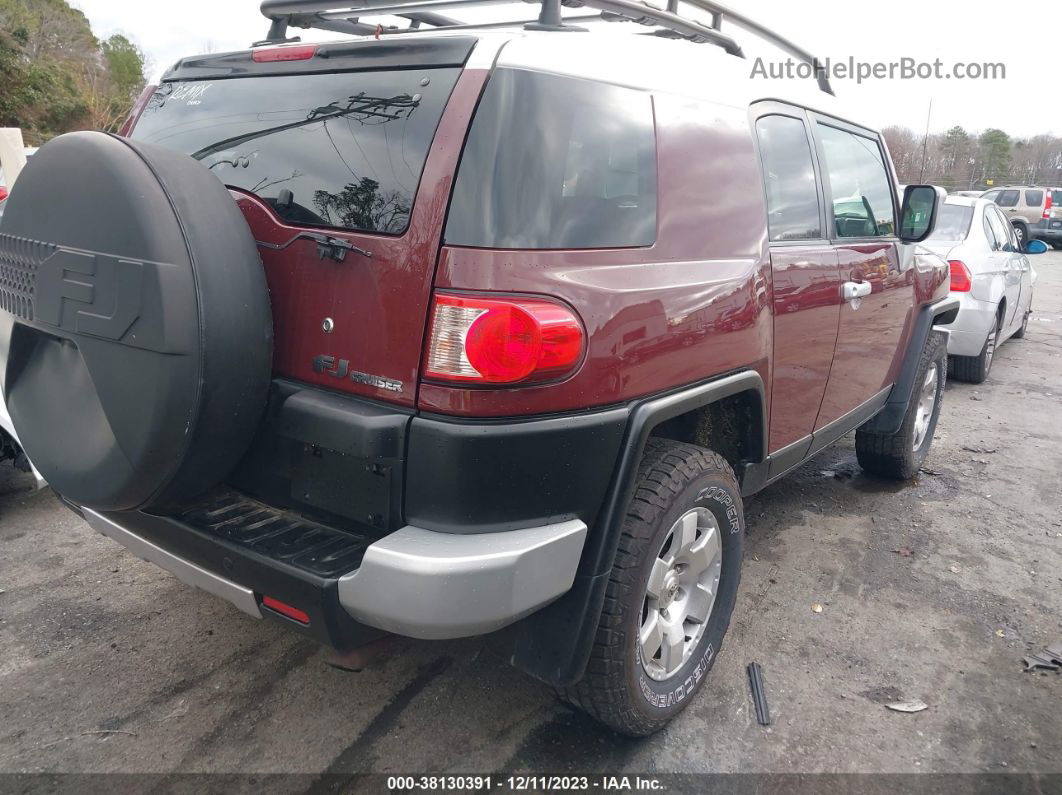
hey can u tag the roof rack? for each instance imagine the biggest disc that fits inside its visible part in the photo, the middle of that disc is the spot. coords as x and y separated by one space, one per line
344 16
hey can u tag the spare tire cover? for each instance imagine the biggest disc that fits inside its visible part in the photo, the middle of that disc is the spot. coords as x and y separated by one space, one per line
136 334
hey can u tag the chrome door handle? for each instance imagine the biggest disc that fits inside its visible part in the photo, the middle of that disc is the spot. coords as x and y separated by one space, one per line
853 290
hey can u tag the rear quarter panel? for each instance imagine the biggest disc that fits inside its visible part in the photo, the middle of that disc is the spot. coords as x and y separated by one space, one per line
694 305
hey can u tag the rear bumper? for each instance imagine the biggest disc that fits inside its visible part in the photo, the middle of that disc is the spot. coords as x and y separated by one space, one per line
411 582
1049 230
369 518
969 330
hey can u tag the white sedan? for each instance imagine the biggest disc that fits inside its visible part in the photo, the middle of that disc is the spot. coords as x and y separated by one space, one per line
991 276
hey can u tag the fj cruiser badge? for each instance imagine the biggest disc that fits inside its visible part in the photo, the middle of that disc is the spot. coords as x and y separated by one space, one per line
341 369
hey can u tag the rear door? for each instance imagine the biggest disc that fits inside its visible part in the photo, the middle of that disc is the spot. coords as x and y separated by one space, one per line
861 217
342 165
1008 261
805 279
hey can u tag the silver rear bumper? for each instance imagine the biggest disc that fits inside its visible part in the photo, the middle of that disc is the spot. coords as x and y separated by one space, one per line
184 570
425 584
417 582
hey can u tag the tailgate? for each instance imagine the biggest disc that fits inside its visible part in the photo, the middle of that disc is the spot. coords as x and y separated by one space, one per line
343 176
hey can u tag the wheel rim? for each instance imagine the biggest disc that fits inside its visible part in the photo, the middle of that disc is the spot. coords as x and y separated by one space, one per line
680 594
1020 234
990 346
927 399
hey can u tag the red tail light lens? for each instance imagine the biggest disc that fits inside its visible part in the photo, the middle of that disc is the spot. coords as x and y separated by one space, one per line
961 280
1048 205
502 340
302 52
3 193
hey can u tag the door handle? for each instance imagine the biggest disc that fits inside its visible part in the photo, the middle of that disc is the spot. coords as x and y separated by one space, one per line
853 290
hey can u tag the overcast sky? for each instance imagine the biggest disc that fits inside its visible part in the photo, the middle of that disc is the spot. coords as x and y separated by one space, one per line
1026 42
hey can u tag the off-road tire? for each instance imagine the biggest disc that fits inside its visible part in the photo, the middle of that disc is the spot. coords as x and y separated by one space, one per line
673 478
975 369
893 455
1020 333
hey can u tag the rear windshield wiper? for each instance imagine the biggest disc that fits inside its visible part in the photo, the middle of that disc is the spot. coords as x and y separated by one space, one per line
327 246
358 104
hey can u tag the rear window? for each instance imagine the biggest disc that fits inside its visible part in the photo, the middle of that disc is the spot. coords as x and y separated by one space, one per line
556 162
953 222
336 150
1056 199
1034 198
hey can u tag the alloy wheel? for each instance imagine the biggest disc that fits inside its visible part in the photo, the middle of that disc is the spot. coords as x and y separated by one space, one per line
927 399
680 594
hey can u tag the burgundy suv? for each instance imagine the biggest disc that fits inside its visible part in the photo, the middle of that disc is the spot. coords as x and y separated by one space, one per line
449 332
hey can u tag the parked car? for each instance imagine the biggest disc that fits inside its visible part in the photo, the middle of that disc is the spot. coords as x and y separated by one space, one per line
992 277
449 333
1035 212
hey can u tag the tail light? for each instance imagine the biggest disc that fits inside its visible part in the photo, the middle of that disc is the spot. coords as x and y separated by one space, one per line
478 340
3 193
961 280
1047 206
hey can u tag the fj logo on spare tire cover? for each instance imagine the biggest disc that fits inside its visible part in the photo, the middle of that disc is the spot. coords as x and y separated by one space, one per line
101 293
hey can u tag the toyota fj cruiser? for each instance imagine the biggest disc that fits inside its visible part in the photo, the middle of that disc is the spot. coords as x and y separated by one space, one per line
444 331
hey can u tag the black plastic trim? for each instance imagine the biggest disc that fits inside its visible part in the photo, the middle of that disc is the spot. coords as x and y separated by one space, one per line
890 418
554 644
491 476
316 595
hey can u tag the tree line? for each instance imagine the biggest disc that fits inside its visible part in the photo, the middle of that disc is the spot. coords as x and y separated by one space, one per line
959 160
56 76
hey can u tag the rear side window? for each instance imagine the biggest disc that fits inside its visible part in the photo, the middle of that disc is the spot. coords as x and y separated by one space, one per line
789 178
859 184
556 162
1034 198
337 150
1008 198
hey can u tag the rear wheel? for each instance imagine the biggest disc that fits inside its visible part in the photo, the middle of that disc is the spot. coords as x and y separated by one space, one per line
1020 333
975 369
1022 233
670 593
900 455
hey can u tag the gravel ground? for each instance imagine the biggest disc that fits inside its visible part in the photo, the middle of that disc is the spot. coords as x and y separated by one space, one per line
932 590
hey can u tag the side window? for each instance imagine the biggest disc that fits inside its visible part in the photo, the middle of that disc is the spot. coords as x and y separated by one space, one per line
999 227
1034 198
991 195
1008 228
789 177
990 233
556 162
1008 198
859 182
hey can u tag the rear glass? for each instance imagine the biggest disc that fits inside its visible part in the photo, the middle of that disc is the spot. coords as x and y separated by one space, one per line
556 162
338 150
1056 199
953 222
1034 198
